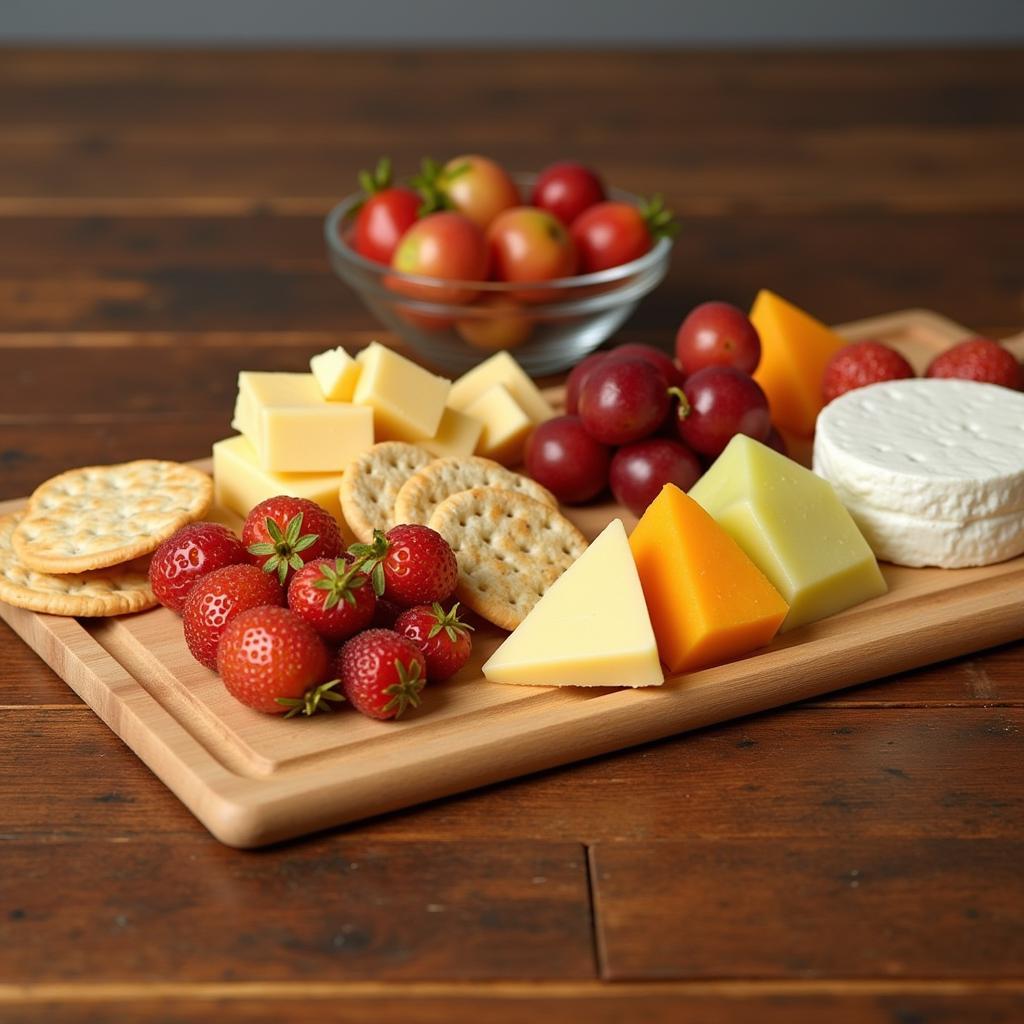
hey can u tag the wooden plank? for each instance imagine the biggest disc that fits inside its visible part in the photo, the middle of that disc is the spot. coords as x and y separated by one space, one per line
970 168
824 773
498 1003
221 89
854 907
91 278
26 680
330 909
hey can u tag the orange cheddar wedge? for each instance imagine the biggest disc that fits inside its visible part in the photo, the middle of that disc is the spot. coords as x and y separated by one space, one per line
795 349
707 600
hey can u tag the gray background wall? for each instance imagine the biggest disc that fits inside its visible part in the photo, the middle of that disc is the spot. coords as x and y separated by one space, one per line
489 23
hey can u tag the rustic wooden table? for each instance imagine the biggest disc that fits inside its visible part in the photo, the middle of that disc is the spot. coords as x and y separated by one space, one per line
856 858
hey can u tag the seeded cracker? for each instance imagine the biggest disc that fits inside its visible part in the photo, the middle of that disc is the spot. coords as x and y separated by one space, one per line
510 549
114 591
98 516
371 482
423 492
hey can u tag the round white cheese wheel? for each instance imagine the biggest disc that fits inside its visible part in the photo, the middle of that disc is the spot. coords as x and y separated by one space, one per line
931 470
950 449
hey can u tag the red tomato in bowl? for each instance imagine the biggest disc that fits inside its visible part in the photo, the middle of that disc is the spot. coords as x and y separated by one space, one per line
444 245
566 189
527 244
382 220
500 325
473 185
612 233
386 214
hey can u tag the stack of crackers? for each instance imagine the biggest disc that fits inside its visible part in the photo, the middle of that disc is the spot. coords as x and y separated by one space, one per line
509 538
79 547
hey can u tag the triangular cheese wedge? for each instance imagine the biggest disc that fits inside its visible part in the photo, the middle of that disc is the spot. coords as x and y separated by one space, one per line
795 349
708 602
591 627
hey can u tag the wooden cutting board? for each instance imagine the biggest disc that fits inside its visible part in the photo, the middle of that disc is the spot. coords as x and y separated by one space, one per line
252 779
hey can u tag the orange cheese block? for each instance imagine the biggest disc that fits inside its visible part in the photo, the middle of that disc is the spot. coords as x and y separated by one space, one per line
707 600
795 349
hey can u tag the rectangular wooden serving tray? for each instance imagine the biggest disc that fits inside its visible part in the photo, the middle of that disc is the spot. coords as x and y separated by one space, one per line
253 780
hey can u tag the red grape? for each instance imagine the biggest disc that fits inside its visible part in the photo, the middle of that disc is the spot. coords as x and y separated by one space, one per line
720 402
717 334
577 377
777 441
564 458
623 400
640 470
661 361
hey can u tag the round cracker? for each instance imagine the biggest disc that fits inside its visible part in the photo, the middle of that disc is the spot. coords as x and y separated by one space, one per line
114 591
371 482
510 549
98 516
425 490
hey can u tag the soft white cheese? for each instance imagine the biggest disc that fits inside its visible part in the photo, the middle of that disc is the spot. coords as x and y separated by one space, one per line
946 449
931 470
915 541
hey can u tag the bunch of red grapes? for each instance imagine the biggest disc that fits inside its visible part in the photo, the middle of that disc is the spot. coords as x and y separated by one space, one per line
636 419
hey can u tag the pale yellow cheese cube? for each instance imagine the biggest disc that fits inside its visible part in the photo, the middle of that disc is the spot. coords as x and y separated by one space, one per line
501 368
294 429
336 372
407 401
506 425
457 434
240 482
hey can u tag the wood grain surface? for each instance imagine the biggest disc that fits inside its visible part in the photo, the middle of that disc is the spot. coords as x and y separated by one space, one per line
160 228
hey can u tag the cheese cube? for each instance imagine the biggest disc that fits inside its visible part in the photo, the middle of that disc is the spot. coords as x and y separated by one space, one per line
406 400
795 348
793 526
293 429
591 627
240 482
709 603
336 372
457 434
505 425
501 368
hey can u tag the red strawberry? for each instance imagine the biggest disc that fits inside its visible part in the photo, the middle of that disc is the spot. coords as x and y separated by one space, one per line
187 556
281 534
335 598
978 359
409 565
386 613
381 673
217 598
860 364
442 637
273 661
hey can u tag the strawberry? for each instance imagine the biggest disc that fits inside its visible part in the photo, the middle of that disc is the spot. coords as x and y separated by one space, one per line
386 613
273 661
860 364
187 556
217 598
978 359
441 635
335 598
273 535
381 673
409 565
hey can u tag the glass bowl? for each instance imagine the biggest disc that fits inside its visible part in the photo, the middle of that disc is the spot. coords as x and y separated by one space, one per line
547 325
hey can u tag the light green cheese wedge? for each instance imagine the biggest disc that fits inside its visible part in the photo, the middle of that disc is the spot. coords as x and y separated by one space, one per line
793 527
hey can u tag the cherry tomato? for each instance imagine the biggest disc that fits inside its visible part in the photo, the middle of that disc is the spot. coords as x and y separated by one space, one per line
386 214
473 185
503 326
527 244
610 234
444 245
566 189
